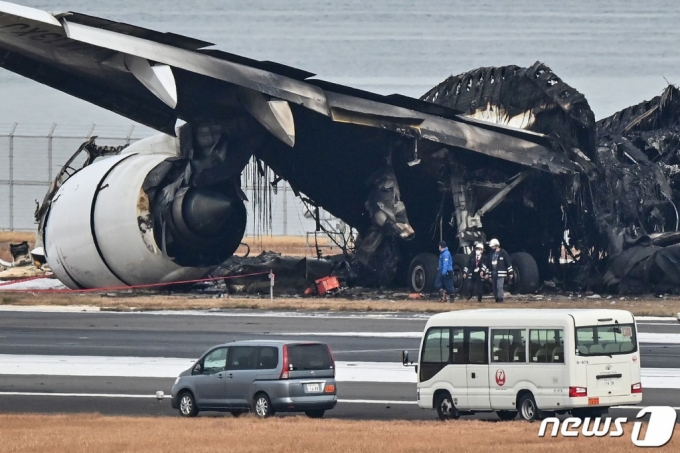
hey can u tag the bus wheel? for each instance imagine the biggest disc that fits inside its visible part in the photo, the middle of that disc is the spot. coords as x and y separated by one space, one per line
445 408
527 407
506 416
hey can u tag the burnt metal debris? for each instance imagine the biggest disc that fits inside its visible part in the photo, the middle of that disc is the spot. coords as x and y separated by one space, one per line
620 212
507 152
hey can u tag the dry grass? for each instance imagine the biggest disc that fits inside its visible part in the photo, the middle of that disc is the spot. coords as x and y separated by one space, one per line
17 236
124 302
14 237
92 433
288 245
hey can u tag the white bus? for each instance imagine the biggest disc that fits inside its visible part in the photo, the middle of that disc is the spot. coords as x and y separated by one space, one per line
537 362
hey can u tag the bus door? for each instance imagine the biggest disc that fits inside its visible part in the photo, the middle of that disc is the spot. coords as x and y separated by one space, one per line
477 368
442 364
457 371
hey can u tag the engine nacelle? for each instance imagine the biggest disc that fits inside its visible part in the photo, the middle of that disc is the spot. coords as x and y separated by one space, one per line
99 231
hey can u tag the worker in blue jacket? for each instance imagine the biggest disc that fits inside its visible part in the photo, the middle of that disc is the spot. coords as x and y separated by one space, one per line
444 282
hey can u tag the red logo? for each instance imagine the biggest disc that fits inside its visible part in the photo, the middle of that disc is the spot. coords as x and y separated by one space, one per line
500 378
634 358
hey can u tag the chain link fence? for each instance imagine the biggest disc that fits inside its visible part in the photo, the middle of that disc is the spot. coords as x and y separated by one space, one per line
31 155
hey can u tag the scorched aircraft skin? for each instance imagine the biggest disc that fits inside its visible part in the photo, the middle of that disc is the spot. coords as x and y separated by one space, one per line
403 172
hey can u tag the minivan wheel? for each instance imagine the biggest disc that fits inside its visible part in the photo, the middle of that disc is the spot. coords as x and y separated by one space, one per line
315 413
187 405
507 415
527 408
262 406
446 410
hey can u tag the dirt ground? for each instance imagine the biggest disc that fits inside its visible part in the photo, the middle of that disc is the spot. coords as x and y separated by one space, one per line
126 301
370 301
14 237
93 433
288 245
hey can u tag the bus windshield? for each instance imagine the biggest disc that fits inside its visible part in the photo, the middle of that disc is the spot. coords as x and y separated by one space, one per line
606 340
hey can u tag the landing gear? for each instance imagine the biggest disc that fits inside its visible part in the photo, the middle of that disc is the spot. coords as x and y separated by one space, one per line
527 278
423 273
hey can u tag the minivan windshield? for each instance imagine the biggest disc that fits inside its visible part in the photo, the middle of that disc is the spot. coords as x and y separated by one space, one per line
606 340
309 357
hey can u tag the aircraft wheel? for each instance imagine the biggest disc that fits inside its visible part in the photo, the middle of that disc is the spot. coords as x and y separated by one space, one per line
422 273
527 278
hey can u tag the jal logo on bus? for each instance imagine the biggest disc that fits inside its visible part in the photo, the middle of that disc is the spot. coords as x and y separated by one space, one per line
500 378
659 428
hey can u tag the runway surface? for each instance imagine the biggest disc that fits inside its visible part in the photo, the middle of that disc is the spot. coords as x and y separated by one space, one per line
113 363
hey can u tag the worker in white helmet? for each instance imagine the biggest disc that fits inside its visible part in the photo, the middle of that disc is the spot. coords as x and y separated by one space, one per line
474 270
500 268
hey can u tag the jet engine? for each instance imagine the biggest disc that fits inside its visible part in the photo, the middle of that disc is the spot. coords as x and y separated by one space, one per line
101 228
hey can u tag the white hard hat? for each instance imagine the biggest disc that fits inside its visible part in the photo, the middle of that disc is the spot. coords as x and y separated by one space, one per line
479 245
494 243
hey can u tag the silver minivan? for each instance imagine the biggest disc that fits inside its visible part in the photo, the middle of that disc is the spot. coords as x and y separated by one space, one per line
264 377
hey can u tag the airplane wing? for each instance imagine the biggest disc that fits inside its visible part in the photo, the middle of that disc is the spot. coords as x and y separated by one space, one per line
157 78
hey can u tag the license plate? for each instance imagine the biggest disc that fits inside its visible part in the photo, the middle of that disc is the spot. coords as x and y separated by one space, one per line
608 383
593 401
313 388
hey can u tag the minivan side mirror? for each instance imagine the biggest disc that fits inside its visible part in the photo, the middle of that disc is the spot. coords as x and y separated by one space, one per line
197 369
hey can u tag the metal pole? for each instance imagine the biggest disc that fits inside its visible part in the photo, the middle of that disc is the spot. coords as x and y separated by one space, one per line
285 209
129 136
271 285
11 176
49 152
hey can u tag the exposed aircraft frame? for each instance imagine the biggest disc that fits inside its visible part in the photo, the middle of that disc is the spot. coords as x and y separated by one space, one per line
391 167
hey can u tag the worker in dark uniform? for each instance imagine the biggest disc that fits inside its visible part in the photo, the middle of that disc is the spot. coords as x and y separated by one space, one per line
500 267
473 273
444 282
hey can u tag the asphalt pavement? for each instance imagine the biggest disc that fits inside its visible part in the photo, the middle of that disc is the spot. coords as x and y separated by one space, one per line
365 340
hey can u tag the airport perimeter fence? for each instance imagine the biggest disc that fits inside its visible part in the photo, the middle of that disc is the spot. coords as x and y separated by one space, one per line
31 156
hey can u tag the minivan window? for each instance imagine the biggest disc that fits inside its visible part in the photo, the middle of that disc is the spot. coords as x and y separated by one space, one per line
606 340
215 361
268 358
309 357
243 358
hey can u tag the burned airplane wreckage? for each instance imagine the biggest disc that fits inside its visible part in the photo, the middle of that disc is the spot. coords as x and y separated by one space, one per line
508 152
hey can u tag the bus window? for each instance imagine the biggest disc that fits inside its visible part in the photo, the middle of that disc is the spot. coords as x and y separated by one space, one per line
606 340
477 351
436 352
546 345
508 345
458 345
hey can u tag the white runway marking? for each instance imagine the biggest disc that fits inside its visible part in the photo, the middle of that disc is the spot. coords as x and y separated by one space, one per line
161 367
659 338
77 395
